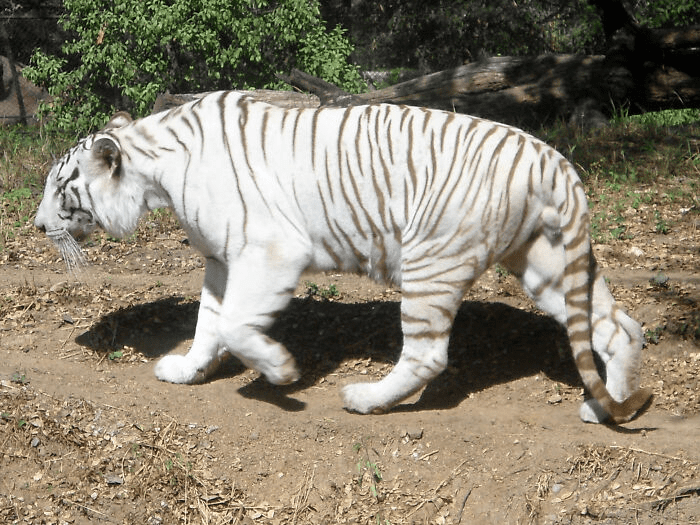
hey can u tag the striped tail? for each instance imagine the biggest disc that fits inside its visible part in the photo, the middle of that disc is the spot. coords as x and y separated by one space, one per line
579 277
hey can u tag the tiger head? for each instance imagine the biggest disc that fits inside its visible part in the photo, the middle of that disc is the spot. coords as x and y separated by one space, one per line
89 188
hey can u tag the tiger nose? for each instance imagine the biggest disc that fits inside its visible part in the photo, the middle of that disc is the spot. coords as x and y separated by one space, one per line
40 225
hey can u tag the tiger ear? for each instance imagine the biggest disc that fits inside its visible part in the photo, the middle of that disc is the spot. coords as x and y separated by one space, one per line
119 119
107 151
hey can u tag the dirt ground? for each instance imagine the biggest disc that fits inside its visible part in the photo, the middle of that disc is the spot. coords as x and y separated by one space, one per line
88 435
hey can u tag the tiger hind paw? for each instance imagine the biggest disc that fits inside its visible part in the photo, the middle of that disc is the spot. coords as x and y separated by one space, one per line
362 398
591 412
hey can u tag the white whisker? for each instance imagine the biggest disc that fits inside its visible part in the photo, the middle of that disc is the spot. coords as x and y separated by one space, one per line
70 251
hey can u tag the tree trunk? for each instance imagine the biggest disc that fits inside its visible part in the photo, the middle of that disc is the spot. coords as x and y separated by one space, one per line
13 72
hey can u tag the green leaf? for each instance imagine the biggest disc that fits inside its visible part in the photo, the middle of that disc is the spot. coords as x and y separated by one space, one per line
126 53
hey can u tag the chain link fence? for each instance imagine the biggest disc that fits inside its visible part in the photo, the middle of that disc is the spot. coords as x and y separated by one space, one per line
24 27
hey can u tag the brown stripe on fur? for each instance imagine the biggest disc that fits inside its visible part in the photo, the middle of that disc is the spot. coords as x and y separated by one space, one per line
446 312
405 318
337 260
295 126
409 159
360 256
381 203
580 264
327 217
353 213
581 317
585 361
443 131
433 335
581 304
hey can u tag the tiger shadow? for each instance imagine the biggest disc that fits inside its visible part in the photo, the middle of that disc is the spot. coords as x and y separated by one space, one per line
491 344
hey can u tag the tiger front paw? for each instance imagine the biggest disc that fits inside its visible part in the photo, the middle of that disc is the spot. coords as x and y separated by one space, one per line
283 374
178 369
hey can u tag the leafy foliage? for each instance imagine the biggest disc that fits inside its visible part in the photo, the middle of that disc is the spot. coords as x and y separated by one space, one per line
670 13
125 53
429 36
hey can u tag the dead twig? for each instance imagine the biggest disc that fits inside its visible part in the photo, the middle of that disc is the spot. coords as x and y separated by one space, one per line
426 456
301 498
685 492
658 454
462 505
105 516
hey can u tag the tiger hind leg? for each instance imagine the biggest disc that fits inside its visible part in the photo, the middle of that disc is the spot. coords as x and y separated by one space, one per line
617 338
428 309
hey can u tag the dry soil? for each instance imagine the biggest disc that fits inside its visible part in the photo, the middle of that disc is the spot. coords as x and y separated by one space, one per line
88 435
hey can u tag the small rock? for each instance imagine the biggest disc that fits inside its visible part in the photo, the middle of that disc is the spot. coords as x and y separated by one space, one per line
58 286
413 432
553 400
35 442
113 479
660 279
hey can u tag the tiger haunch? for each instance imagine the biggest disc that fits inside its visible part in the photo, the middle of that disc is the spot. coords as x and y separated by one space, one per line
424 198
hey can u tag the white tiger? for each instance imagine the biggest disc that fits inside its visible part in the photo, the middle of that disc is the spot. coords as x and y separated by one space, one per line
427 199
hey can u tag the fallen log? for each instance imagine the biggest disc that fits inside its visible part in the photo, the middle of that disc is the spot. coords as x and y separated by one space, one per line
645 69
521 91
285 99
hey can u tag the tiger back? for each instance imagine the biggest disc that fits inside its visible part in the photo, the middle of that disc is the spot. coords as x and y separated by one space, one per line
424 198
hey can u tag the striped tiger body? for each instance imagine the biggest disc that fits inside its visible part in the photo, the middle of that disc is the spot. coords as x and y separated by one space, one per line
424 198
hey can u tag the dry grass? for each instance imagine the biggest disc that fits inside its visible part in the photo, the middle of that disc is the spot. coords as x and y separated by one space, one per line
629 152
91 463
88 459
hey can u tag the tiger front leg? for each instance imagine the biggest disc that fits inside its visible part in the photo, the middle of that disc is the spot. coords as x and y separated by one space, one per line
261 282
205 353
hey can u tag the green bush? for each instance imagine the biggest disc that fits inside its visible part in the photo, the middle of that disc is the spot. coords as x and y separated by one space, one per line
669 13
125 53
